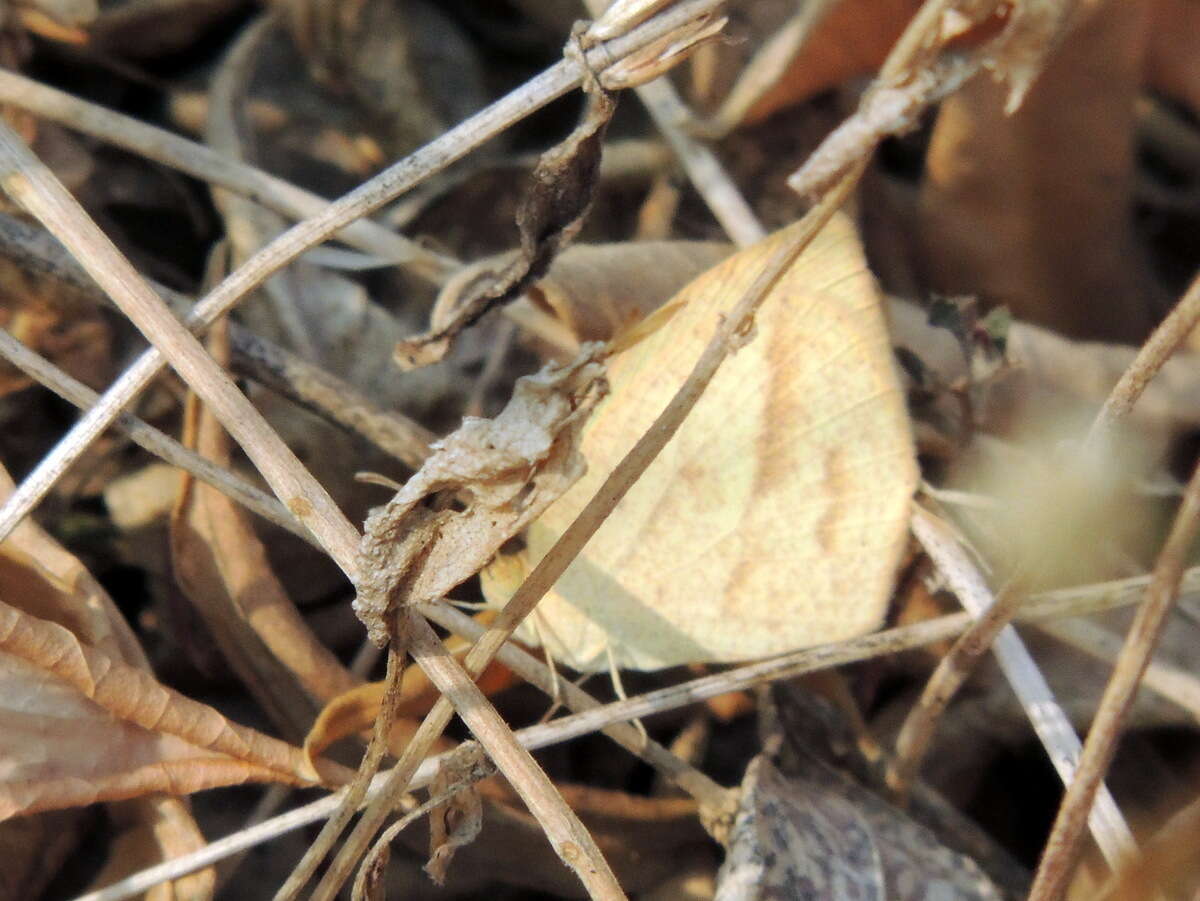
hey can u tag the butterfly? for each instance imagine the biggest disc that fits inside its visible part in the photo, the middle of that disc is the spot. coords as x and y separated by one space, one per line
776 516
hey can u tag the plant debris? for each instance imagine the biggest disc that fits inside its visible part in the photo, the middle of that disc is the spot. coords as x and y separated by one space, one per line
833 403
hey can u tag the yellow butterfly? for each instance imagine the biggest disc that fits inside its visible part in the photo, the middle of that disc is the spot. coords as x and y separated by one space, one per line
776 516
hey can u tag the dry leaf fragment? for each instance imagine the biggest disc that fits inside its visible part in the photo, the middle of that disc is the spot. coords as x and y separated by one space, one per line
509 469
821 836
51 583
81 718
550 215
1033 210
456 823
81 727
775 518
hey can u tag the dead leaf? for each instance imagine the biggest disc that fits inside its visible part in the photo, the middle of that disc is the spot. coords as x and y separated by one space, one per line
115 732
819 835
784 493
551 214
508 468
51 583
54 585
1032 210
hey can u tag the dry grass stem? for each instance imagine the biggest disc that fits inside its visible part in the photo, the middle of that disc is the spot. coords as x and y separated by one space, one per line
353 794
150 438
1050 722
704 170
714 799
1064 846
885 110
36 189
570 840
330 397
909 82
386 794
707 174
1152 356
217 169
1071 602
1177 685
257 358
921 39
766 68
951 673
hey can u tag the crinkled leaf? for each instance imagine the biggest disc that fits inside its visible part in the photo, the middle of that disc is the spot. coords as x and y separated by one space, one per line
507 470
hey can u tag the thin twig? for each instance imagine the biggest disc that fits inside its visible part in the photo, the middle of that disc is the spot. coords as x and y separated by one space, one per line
567 835
35 188
1064 846
1158 348
701 164
247 225
764 70
948 677
1178 685
1078 601
150 438
1050 722
714 799
356 791
254 357
451 146
203 163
